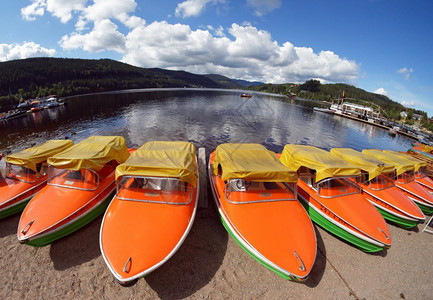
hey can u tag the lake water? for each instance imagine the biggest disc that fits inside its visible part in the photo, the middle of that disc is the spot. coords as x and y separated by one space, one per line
206 118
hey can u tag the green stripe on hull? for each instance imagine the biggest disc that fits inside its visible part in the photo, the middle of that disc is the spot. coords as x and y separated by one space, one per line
403 223
334 229
14 209
427 210
283 275
47 239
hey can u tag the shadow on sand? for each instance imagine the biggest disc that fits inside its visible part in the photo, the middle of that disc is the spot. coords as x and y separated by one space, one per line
319 266
9 225
196 262
78 247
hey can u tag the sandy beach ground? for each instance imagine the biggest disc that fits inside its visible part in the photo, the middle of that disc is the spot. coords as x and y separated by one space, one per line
211 265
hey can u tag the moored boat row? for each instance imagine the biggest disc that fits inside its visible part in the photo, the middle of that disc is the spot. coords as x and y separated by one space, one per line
152 197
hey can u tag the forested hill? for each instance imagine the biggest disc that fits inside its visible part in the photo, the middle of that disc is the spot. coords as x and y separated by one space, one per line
313 89
38 77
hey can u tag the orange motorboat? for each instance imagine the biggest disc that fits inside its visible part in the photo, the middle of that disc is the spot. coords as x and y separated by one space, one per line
421 172
256 200
327 189
404 179
26 174
80 183
153 210
380 190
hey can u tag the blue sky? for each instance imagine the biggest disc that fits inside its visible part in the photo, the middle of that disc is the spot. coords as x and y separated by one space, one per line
382 46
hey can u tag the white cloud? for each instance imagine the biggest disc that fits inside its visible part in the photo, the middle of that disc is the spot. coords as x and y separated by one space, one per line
405 72
381 91
241 51
192 8
37 8
252 55
24 50
262 7
63 9
104 36
410 103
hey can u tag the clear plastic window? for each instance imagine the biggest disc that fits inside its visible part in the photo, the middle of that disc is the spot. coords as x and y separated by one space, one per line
406 177
421 173
307 175
381 182
154 189
21 173
336 187
81 179
241 191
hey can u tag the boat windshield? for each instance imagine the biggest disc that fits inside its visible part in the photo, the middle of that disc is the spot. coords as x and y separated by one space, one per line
406 177
421 173
21 173
239 191
83 179
336 187
154 189
381 182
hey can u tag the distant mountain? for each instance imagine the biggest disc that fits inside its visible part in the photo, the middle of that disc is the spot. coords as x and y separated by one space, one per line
235 83
38 77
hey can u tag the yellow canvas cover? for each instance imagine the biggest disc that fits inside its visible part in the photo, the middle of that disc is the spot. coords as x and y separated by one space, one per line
30 157
426 148
401 165
162 159
365 162
416 162
92 153
251 162
323 162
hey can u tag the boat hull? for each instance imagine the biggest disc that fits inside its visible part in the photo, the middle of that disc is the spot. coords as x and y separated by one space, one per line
131 254
15 195
394 206
349 223
56 212
419 195
279 235
425 182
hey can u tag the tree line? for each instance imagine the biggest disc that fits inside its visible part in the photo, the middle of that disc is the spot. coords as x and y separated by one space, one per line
331 93
40 77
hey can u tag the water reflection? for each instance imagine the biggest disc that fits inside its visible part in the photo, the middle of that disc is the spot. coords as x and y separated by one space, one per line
206 118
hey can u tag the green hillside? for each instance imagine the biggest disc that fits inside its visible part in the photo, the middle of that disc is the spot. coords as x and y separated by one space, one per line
313 89
39 77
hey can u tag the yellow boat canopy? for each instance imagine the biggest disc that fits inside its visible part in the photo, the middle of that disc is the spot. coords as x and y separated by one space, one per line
162 159
30 157
401 165
365 162
251 162
323 162
92 153
416 162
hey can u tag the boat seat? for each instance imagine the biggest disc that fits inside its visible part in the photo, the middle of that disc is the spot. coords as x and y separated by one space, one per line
429 224
239 185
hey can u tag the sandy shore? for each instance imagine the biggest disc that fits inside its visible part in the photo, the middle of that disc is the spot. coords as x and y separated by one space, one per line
211 265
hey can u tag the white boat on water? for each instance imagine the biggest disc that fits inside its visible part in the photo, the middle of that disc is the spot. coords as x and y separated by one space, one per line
324 110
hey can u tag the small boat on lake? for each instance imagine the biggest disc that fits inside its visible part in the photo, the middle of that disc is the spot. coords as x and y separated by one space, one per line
244 95
405 179
153 210
327 189
26 174
256 199
378 188
324 110
80 183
